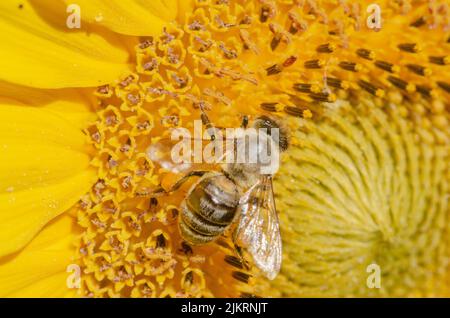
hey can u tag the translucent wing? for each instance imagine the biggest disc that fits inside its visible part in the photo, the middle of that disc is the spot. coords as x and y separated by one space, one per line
258 229
179 156
160 153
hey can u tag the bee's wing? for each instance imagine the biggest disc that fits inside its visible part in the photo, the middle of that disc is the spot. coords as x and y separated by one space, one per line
258 229
160 153
163 153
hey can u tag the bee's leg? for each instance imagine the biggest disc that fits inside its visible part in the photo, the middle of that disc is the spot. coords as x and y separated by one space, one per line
196 173
244 123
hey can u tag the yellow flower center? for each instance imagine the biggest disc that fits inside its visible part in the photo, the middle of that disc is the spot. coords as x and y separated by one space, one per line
293 58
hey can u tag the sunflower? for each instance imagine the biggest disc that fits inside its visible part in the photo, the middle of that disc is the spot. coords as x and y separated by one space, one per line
365 182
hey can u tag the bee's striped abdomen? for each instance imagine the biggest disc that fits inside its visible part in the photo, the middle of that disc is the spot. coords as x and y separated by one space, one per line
208 209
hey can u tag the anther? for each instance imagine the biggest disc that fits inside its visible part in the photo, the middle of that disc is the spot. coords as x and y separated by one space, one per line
270 107
371 88
296 23
160 241
104 90
268 10
204 45
439 60
189 278
323 97
418 23
240 276
306 88
350 66
409 47
196 26
425 91
278 68
366 54
314 63
127 81
182 83
337 83
133 98
326 48
186 249
167 37
229 54
279 35
248 44
234 261
152 65
398 82
419 70
445 86
389 67
298 111
146 43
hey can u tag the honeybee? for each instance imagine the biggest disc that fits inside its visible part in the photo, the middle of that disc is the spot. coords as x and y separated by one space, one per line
238 196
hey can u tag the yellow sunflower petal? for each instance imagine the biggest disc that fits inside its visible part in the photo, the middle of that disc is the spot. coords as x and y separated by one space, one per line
40 269
68 102
131 17
43 172
34 52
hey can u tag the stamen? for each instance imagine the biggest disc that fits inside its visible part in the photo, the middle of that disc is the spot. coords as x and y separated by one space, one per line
326 48
444 86
323 97
424 90
271 107
337 83
419 70
306 88
439 60
401 84
387 66
297 24
409 47
350 66
298 112
314 63
240 276
418 23
234 261
366 54
371 88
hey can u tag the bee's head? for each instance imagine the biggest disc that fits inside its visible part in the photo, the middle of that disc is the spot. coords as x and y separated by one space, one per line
271 122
